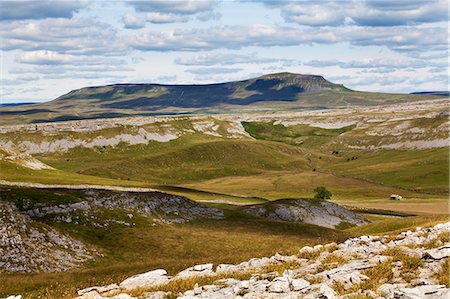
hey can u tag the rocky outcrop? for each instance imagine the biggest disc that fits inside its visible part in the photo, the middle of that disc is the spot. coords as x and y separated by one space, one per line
85 207
30 246
317 212
27 244
404 266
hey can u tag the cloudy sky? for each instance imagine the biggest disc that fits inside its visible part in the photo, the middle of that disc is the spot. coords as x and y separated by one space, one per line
51 47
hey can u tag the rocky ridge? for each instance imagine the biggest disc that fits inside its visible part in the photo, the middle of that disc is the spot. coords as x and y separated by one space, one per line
410 265
28 243
30 246
317 212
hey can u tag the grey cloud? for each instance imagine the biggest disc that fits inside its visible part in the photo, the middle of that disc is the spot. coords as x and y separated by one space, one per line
131 21
370 63
213 70
165 18
188 7
177 11
22 10
227 59
54 58
362 13
71 36
235 37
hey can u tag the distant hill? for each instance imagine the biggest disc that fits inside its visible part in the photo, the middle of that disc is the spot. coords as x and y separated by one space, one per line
280 91
274 87
433 93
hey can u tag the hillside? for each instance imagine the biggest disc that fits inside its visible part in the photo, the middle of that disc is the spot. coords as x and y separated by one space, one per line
269 92
102 234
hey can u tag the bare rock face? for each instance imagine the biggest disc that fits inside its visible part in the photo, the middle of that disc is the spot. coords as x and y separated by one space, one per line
29 246
322 213
314 277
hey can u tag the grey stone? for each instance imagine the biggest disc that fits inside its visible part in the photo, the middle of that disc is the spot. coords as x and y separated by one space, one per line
147 279
422 292
299 284
437 253
99 289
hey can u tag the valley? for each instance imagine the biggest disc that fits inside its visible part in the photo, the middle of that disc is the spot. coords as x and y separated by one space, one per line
130 194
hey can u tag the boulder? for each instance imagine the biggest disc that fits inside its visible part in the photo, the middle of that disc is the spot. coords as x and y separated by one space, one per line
203 267
99 289
122 296
155 295
226 268
326 292
146 280
421 292
437 253
279 285
197 270
299 284
91 295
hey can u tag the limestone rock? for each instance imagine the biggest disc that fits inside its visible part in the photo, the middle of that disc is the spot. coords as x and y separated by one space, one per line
99 289
437 253
422 292
147 279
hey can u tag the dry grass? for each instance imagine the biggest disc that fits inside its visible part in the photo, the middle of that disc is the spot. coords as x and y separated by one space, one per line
443 275
280 267
334 258
378 275
410 263
311 255
332 247
443 237
341 290
313 279
179 286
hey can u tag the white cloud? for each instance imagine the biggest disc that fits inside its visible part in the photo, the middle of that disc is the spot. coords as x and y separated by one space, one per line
371 63
73 36
227 59
361 12
235 37
163 18
132 21
213 70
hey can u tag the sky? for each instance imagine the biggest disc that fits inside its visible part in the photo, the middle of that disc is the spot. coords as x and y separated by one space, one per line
49 48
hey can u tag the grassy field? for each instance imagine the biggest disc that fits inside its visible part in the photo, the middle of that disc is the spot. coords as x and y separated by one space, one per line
422 170
288 184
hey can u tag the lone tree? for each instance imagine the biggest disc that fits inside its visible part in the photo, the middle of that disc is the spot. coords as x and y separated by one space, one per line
322 193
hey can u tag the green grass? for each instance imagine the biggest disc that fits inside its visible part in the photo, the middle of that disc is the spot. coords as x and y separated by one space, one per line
179 161
274 185
422 170
16 173
303 135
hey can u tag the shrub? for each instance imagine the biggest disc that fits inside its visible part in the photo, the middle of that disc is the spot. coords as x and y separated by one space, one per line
322 193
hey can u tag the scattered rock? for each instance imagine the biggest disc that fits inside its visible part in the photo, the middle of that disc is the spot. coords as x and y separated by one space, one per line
293 283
